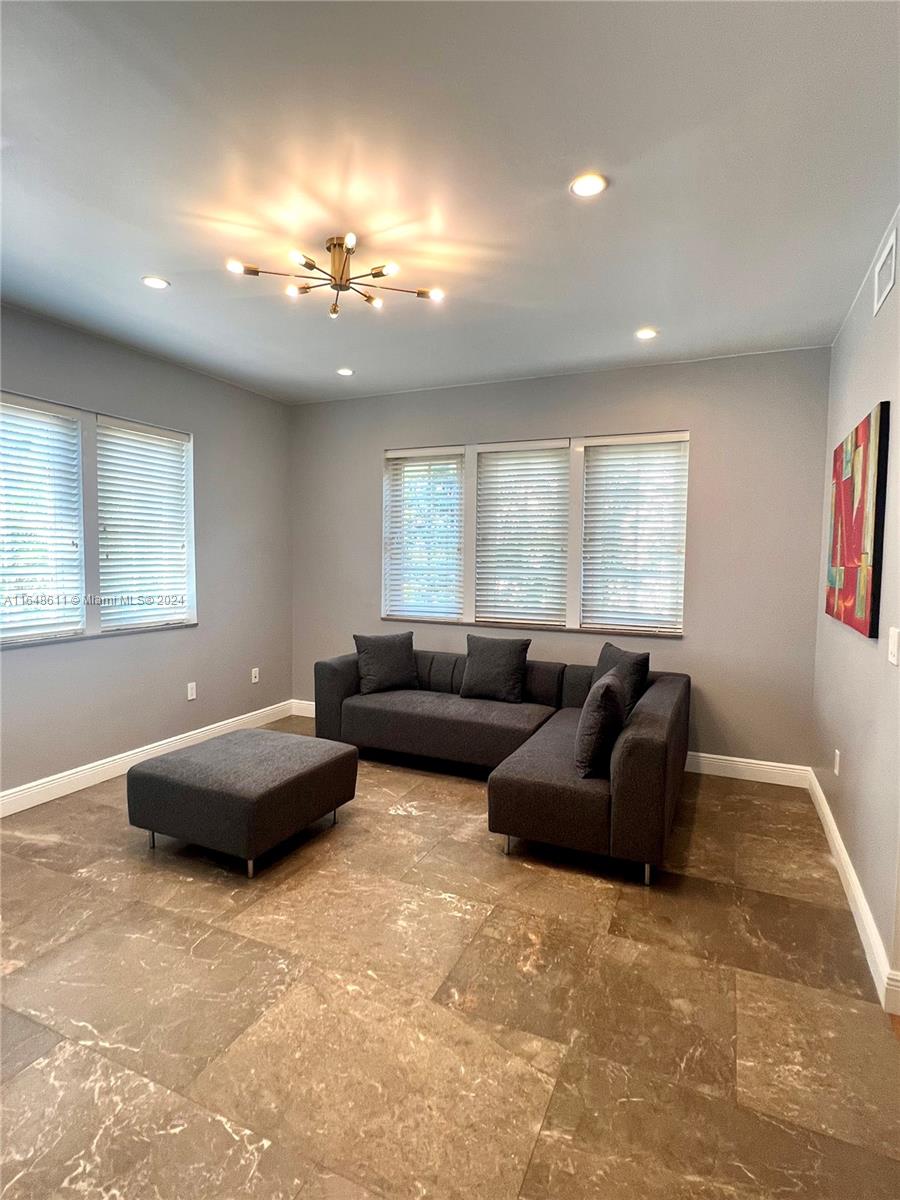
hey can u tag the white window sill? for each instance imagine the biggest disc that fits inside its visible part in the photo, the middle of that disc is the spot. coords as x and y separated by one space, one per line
619 630
59 639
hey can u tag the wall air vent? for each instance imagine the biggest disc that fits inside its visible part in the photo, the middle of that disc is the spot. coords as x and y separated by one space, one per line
885 270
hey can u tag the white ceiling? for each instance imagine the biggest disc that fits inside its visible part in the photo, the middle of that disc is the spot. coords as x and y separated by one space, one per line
753 152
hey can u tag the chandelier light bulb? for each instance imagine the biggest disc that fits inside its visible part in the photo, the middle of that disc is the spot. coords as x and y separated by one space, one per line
436 294
292 290
302 260
334 311
350 241
235 267
391 268
375 301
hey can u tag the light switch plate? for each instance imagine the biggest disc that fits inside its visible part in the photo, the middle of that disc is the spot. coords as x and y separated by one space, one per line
254 674
894 646
192 691
837 762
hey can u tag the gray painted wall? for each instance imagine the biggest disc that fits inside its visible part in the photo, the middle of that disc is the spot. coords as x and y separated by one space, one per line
66 704
857 692
757 428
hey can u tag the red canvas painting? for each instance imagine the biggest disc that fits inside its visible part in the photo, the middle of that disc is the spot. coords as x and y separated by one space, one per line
858 487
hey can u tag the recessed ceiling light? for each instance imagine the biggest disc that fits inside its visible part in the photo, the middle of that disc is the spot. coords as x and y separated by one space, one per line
345 370
588 185
155 281
646 333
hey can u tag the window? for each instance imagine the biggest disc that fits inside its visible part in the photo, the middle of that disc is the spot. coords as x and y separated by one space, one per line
576 533
144 517
42 567
96 524
635 511
423 564
522 522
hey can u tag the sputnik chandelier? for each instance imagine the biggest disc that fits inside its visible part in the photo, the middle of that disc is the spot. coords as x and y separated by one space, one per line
338 278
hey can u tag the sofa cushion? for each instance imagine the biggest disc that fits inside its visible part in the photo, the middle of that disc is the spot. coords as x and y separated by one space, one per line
440 725
386 662
495 668
537 792
633 668
600 723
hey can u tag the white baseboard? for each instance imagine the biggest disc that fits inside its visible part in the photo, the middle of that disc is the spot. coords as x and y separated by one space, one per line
786 774
28 795
887 982
892 993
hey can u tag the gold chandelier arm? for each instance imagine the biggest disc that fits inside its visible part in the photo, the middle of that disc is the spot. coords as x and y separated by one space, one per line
354 278
293 275
384 288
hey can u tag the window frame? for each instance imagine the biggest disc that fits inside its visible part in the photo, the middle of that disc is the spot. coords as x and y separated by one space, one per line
89 420
575 561
418 452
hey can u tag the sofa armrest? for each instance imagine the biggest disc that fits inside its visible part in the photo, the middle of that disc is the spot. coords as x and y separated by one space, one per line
647 770
336 679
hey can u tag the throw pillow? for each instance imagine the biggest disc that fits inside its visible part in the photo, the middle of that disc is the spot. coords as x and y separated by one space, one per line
386 662
495 668
600 723
633 669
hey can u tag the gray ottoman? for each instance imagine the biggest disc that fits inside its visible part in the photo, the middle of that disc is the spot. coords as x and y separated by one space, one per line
242 793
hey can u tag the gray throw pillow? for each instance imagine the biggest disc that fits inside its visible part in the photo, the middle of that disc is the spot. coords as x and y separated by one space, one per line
633 669
495 668
386 662
600 723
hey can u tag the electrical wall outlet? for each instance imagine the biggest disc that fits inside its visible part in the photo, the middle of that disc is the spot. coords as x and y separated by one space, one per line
192 691
894 646
254 674
837 762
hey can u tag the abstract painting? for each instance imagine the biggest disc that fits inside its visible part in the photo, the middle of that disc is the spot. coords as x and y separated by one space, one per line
858 488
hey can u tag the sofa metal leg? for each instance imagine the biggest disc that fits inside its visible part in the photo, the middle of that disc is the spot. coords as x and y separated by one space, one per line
249 868
646 874
508 842
334 817
151 839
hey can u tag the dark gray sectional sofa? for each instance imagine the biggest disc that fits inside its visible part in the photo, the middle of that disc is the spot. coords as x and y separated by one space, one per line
534 790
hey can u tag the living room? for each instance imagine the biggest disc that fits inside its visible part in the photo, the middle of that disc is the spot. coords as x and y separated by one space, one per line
451 598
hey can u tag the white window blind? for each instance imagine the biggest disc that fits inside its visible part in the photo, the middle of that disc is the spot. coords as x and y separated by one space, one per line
144 514
423 532
521 538
635 513
41 544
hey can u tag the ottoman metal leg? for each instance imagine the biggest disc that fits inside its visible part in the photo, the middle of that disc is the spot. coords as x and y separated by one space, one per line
249 868
151 838
646 874
334 817
508 842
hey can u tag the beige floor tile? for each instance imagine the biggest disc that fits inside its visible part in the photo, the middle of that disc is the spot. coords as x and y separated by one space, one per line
154 991
351 920
617 1133
821 1060
384 1088
76 1124
755 931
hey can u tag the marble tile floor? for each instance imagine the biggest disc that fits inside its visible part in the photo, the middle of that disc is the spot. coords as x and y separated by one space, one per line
395 1010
